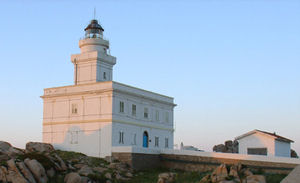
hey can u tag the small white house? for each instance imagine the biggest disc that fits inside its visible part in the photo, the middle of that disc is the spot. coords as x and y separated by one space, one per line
259 142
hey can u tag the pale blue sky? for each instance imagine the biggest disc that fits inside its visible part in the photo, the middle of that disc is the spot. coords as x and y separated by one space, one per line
231 66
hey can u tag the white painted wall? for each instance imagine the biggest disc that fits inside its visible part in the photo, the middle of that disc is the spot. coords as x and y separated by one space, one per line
282 149
95 128
257 140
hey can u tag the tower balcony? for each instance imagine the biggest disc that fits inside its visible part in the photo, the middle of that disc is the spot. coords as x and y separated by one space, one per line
93 44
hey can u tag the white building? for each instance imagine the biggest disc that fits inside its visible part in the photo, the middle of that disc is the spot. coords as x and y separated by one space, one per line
264 143
96 113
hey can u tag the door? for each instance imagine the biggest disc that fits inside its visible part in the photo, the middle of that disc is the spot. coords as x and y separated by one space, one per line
145 139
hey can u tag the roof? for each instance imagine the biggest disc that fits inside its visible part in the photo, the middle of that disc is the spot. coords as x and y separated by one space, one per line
274 135
94 25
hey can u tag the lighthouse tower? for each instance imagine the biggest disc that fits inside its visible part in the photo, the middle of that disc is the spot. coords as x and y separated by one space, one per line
93 64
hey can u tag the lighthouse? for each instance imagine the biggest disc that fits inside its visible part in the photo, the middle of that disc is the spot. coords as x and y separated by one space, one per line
98 116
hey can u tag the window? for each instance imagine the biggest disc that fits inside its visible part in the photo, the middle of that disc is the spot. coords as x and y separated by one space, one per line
145 112
166 142
156 144
121 106
74 137
121 137
157 115
133 110
74 109
134 139
104 75
167 117
257 151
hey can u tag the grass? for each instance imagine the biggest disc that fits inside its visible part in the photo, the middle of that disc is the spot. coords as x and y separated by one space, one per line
151 176
274 178
69 155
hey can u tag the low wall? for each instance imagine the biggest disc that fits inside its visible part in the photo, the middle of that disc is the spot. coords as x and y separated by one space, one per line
137 158
141 158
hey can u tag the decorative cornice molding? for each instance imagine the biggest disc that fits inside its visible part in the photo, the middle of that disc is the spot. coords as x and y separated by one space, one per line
107 121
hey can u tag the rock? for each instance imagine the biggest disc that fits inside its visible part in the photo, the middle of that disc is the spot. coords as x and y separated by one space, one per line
7 150
229 147
293 176
205 179
118 176
27 174
39 147
107 175
235 146
37 170
119 166
166 177
294 154
3 173
128 174
4 156
4 146
234 171
72 178
229 143
85 170
247 172
219 174
256 179
61 162
14 175
219 148
99 169
78 166
71 167
51 172
85 180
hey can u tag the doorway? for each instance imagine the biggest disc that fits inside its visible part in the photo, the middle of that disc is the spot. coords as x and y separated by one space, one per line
145 139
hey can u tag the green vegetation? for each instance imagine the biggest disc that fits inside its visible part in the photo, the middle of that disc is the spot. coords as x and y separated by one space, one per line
69 155
274 178
151 176
56 179
3 163
97 177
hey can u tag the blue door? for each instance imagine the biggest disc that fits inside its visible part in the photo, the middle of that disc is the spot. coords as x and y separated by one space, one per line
145 139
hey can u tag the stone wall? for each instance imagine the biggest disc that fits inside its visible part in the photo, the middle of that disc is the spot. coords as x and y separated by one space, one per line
201 163
139 161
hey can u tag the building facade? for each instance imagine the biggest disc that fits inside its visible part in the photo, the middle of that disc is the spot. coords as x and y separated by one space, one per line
259 142
96 113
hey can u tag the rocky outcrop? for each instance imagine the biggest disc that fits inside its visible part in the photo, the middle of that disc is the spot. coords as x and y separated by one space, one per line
72 178
166 177
228 147
26 172
39 147
14 174
236 174
7 151
41 163
294 154
37 170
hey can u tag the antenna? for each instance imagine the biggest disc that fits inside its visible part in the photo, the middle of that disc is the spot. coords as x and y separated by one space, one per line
94 13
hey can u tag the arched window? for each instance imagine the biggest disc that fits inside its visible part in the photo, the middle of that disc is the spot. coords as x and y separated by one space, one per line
145 139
